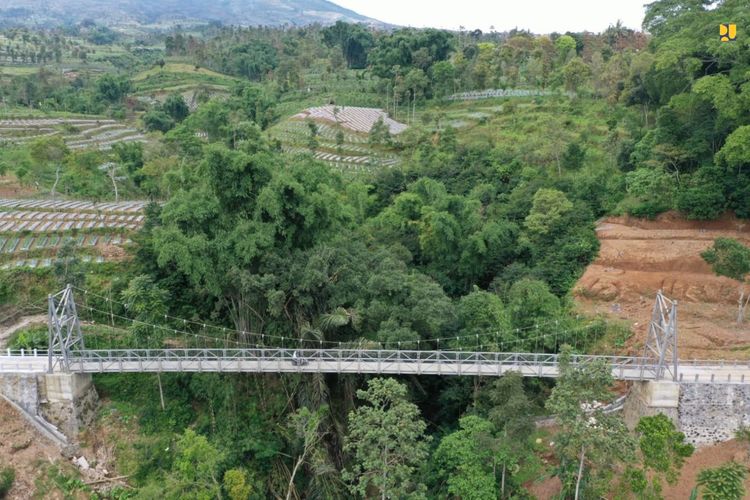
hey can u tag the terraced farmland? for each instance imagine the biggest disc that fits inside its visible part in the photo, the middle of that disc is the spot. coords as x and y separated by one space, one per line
495 93
78 133
32 230
351 117
355 154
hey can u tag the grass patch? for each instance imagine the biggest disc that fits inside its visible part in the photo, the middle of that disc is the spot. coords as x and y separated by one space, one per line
62 479
175 76
19 70
613 339
179 68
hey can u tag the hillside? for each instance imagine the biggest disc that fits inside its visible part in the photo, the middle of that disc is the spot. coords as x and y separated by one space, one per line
304 256
235 12
639 257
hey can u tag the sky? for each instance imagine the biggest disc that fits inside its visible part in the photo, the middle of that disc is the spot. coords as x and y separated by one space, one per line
539 16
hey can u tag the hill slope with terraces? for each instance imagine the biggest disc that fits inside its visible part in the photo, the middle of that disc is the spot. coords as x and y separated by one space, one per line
350 125
353 118
78 133
639 257
32 230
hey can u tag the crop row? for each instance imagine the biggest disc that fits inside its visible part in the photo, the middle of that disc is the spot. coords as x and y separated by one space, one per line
491 93
9 245
45 226
352 117
298 139
111 207
101 134
335 158
47 262
47 122
301 129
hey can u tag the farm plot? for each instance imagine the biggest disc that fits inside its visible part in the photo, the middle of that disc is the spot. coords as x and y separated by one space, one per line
347 162
351 117
42 263
122 207
32 230
78 133
17 221
353 153
495 93
297 130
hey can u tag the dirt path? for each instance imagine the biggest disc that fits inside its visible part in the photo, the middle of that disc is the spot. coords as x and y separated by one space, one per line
639 257
26 321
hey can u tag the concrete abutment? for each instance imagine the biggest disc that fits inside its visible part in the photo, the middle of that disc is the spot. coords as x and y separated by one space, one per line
705 413
67 401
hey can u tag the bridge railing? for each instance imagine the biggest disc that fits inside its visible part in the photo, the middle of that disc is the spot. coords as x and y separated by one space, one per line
273 353
22 361
357 360
363 361
22 353
728 363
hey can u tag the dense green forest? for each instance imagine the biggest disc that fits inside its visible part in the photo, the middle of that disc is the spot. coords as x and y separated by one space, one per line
472 242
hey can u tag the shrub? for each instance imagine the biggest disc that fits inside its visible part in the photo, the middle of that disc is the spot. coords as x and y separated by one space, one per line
36 338
723 483
648 210
157 120
7 476
703 196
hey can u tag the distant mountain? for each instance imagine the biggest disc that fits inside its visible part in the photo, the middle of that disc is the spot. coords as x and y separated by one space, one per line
170 12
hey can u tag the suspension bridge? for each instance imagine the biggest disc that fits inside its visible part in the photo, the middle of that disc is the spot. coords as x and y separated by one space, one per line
105 350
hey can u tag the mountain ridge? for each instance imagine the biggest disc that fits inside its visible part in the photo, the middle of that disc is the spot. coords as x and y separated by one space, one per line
149 12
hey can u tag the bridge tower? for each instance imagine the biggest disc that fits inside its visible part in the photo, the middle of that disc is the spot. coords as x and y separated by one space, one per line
660 350
64 329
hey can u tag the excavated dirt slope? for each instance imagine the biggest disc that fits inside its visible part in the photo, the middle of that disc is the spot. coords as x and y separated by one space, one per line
23 449
639 257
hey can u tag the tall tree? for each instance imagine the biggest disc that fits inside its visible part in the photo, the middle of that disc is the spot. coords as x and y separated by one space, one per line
241 211
146 304
195 471
388 442
176 107
510 411
67 267
306 426
589 440
50 151
468 458
353 39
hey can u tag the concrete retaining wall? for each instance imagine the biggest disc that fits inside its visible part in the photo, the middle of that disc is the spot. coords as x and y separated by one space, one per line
22 389
647 399
706 413
67 401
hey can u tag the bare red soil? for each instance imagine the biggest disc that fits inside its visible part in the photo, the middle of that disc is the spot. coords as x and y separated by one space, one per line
640 257
22 448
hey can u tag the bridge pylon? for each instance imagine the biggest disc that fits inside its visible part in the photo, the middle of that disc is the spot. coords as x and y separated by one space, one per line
64 329
660 350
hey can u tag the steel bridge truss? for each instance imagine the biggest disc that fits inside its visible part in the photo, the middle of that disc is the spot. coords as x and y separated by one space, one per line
660 349
345 361
68 353
65 337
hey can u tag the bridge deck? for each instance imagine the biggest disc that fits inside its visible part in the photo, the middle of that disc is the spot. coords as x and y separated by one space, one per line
274 360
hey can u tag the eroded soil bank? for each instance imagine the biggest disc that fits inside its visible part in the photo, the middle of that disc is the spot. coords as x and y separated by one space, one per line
639 257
